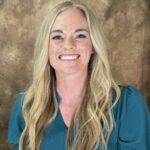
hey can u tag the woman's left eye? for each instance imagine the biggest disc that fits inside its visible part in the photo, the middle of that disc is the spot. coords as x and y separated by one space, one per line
81 36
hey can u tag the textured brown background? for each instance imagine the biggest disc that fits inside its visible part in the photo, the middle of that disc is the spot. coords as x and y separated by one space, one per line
126 24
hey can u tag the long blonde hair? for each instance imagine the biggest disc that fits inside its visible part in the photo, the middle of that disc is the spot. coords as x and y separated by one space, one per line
93 122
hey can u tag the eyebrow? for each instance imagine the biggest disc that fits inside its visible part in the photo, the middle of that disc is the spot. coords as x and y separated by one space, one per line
78 30
60 31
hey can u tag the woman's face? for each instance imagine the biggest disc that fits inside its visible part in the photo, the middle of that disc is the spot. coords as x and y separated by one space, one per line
70 45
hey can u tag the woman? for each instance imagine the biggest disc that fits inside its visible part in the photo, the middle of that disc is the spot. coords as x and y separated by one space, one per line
74 102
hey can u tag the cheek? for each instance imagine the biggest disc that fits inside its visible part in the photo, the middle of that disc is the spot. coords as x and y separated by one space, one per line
52 47
86 47
51 52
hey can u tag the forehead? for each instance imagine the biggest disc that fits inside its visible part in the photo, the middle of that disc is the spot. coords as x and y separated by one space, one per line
71 17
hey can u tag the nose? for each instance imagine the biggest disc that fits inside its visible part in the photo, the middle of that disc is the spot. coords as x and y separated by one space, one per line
69 43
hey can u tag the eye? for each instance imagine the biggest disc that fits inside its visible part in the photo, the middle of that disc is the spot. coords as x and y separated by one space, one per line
57 37
81 36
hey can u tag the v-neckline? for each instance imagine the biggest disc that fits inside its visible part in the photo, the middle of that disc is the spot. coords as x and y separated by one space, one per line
62 120
59 112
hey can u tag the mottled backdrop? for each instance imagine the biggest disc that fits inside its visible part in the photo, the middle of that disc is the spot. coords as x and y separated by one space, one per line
126 25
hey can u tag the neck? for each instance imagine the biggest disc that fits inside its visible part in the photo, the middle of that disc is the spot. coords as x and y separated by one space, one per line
71 87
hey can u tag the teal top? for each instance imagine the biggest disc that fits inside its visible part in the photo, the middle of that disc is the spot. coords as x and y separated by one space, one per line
132 131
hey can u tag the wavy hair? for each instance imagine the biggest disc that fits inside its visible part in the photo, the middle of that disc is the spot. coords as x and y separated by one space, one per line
93 121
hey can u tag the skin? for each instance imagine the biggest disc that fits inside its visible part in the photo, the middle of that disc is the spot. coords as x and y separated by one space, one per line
70 49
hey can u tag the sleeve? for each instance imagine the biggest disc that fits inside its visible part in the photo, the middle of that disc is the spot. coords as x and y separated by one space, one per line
134 125
16 122
16 147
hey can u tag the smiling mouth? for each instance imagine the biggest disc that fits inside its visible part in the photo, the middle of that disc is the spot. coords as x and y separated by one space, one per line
69 57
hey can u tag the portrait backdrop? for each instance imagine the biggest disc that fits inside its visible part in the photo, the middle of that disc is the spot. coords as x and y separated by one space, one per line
126 24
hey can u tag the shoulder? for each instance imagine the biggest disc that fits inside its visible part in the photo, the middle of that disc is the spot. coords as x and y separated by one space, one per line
131 98
127 90
132 118
131 103
17 106
20 97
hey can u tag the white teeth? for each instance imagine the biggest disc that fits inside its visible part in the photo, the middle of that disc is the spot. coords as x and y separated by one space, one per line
69 57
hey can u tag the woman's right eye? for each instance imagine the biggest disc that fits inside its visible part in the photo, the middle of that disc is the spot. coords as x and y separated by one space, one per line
57 37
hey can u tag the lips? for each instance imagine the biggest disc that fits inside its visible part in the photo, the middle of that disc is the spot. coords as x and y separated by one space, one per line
69 57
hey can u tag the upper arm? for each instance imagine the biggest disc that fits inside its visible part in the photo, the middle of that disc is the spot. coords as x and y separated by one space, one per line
16 147
16 122
134 124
